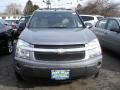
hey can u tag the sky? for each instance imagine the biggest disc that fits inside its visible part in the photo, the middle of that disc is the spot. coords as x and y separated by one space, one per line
62 3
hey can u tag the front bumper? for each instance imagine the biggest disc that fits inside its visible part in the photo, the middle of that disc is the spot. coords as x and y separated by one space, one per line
42 69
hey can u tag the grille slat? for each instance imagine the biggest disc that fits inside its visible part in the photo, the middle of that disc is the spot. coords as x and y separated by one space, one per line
59 56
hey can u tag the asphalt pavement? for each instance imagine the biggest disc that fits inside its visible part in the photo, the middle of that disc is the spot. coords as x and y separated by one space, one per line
109 78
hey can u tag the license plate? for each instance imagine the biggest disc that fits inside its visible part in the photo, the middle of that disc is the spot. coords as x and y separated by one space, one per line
60 74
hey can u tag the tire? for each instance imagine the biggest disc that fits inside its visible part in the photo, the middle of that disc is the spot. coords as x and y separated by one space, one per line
18 77
9 49
96 75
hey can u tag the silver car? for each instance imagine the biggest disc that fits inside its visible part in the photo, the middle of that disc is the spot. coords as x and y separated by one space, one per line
56 45
108 32
91 19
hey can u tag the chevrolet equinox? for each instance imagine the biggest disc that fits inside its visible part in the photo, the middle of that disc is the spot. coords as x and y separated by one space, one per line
57 46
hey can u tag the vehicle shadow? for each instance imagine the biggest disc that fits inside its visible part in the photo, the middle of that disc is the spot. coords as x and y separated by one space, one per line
111 60
2 54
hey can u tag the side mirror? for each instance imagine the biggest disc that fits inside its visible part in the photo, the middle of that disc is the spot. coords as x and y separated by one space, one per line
22 26
115 30
5 24
17 22
88 25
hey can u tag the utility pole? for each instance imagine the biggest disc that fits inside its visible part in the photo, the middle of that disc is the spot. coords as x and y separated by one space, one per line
48 3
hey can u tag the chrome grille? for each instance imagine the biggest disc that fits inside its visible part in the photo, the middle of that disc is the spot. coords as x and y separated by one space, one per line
57 56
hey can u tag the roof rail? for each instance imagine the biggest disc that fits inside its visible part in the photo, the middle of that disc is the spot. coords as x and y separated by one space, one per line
53 9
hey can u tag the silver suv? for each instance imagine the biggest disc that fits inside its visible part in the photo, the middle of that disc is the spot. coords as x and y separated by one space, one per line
56 45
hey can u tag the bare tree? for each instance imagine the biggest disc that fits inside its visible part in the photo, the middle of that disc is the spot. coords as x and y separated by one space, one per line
79 7
30 8
13 9
102 7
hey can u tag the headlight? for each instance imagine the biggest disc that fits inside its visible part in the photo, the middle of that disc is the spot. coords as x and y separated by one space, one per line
93 48
22 53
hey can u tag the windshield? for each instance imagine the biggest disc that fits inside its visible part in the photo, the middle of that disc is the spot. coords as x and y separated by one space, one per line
55 20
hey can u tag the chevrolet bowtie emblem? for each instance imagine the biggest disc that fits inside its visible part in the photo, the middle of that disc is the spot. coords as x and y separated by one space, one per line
60 51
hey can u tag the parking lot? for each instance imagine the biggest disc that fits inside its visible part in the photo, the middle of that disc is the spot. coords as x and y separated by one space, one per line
109 78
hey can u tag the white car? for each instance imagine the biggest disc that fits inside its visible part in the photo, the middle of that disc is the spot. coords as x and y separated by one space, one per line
92 19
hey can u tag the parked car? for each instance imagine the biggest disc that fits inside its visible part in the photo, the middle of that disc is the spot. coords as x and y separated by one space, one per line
21 24
12 23
91 19
6 37
108 32
56 45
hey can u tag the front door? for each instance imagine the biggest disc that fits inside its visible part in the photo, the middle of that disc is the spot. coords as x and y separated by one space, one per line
113 37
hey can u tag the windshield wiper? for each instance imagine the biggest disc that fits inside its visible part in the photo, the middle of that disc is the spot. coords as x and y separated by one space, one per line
63 27
58 27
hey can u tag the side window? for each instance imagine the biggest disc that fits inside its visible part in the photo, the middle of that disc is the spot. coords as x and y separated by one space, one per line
87 18
113 25
101 24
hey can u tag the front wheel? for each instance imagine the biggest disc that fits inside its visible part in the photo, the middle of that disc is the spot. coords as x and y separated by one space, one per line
97 75
18 77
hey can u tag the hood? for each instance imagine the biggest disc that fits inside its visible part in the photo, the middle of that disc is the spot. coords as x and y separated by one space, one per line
57 36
